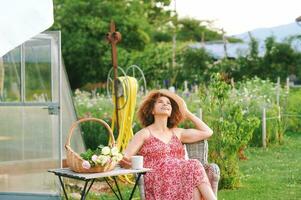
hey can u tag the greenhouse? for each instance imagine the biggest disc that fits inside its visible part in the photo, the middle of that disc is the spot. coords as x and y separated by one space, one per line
36 112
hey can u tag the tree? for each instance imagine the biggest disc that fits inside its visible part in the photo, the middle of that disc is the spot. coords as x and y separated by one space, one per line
84 25
193 30
280 60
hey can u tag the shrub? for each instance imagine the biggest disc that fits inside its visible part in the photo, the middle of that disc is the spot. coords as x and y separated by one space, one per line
254 95
232 127
96 106
293 111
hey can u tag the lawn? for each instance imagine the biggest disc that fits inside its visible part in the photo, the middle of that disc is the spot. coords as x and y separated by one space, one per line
274 173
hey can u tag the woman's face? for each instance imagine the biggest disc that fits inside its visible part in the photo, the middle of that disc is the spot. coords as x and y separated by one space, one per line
162 106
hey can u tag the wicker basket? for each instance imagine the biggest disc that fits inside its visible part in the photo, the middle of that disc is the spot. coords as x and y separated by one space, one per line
74 161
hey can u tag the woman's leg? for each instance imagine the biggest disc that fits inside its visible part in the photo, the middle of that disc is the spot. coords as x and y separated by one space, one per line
206 191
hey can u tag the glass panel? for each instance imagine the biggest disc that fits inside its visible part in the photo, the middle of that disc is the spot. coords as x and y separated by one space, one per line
29 136
10 76
28 147
69 116
38 70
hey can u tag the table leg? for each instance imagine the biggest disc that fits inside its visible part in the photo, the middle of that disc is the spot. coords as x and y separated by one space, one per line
118 197
62 184
83 193
134 188
90 185
117 187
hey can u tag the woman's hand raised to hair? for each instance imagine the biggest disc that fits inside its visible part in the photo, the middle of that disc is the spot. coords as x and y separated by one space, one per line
125 163
185 108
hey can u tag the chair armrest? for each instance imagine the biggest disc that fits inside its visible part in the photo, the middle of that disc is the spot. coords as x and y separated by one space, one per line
213 173
198 150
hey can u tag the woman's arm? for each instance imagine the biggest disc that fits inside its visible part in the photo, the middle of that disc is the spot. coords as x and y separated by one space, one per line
201 131
133 147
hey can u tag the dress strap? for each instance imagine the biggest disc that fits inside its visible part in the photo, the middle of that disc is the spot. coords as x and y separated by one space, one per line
174 135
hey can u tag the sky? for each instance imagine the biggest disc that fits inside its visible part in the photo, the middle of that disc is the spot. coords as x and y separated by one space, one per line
239 16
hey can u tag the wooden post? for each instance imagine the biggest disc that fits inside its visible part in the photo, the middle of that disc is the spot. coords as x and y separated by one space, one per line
287 85
232 82
264 128
279 135
203 40
113 38
200 113
1 78
278 91
225 44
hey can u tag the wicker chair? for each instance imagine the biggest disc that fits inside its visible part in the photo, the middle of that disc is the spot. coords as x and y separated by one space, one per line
197 151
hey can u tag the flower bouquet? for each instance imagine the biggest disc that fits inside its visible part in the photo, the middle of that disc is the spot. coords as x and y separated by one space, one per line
102 156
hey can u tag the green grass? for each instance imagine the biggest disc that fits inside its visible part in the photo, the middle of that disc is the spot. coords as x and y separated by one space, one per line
125 189
274 173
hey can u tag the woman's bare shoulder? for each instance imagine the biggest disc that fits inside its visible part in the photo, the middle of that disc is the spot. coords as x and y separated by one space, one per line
143 133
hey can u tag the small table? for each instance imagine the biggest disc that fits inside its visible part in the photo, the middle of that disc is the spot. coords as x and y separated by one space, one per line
87 177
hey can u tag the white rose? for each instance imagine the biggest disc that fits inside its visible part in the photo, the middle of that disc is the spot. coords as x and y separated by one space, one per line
105 150
119 156
114 151
102 160
115 159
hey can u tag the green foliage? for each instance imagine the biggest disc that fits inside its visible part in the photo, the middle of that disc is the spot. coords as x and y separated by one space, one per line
293 111
95 134
87 155
233 113
232 128
156 61
96 106
279 60
193 30
273 173
193 62
87 55
256 94
84 25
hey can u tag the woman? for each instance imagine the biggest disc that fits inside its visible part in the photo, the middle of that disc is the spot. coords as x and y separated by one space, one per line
160 143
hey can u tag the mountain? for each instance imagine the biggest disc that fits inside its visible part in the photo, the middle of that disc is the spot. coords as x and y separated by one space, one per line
281 32
234 50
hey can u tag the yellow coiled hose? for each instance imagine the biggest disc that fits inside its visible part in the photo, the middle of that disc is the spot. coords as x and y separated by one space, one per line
126 104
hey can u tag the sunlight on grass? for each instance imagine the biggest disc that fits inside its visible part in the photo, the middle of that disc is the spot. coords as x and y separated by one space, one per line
274 173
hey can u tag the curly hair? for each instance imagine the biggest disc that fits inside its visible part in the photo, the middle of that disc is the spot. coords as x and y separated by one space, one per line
146 117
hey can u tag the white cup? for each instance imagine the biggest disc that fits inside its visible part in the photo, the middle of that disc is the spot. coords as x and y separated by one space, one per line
137 162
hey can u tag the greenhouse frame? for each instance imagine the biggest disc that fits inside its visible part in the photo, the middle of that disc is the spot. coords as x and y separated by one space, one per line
36 111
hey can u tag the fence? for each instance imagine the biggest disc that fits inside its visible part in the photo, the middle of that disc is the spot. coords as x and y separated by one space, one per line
280 115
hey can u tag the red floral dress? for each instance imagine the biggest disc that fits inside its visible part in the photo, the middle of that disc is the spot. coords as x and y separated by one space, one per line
172 177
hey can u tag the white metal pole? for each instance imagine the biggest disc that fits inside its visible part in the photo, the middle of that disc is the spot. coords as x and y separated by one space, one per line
278 91
287 85
1 77
174 39
200 113
264 128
